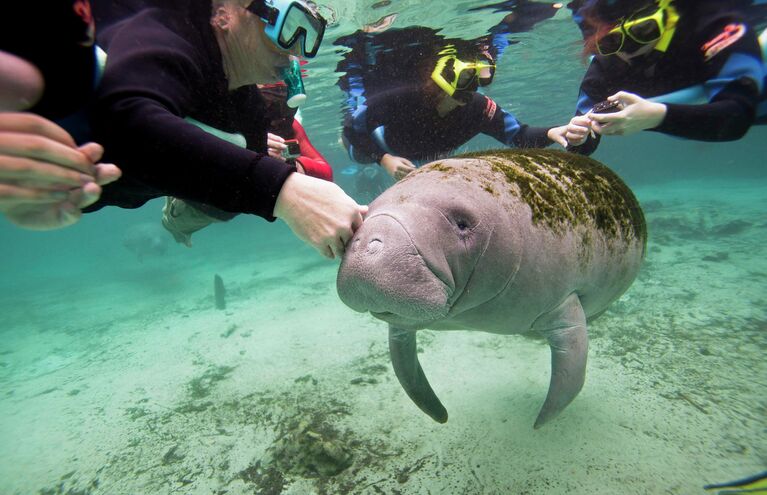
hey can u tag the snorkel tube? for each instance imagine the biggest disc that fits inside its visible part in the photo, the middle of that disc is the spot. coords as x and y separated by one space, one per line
292 77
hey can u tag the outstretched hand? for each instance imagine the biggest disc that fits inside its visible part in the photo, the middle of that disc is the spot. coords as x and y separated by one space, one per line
396 166
574 133
637 114
319 213
45 178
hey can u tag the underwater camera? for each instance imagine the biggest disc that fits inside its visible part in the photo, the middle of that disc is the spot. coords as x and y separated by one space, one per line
293 150
607 106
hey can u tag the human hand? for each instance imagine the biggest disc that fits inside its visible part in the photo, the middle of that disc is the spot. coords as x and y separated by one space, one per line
319 213
637 114
276 145
45 178
574 133
396 166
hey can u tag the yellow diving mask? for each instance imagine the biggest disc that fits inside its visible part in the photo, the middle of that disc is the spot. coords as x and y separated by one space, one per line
655 23
459 79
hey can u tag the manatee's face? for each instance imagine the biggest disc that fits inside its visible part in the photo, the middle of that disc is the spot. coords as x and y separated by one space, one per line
423 248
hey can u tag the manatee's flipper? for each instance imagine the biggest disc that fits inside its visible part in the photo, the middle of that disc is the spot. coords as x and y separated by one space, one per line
753 484
565 329
404 359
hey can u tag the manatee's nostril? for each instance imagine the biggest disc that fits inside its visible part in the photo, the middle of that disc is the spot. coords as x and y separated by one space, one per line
374 246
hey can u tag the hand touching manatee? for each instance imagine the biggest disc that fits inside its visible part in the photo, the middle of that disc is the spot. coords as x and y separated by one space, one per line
508 242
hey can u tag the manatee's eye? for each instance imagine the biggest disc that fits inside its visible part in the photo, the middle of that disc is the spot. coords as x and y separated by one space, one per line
462 220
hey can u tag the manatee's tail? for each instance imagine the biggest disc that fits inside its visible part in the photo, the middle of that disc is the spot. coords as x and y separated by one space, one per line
565 329
404 358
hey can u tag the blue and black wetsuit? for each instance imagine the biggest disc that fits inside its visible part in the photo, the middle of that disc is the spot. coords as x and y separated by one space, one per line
402 122
712 48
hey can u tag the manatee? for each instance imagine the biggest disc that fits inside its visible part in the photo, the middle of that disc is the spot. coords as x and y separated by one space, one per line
508 242
146 240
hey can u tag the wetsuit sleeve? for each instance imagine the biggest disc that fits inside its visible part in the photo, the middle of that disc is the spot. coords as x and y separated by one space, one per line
313 162
504 127
731 57
358 139
138 118
592 91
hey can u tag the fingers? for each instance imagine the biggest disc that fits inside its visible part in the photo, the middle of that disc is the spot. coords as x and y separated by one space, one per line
93 151
275 144
29 123
625 97
36 173
13 195
558 134
604 118
44 217
338 247
107 173
86 195
36 147
597 127
407 163
357 221
326 251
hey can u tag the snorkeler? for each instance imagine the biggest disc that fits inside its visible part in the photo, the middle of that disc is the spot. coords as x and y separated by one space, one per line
421 122
649 54
202 61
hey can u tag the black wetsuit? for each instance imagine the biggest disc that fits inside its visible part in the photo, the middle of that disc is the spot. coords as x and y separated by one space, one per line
728 65
402 122
164 66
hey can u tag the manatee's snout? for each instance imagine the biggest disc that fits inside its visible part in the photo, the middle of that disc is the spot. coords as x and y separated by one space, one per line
382 272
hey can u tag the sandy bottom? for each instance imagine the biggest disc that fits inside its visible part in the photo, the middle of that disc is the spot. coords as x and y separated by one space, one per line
143 387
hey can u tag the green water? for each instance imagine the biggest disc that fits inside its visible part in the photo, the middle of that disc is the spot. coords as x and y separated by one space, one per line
118 375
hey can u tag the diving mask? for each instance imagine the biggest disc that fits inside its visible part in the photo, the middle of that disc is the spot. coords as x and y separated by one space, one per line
655 23
458 78
288 21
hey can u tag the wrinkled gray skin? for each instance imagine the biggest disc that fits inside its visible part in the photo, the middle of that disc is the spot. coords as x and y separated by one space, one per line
457 246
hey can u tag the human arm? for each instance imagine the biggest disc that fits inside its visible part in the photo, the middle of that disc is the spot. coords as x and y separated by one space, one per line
358 140
319 213
728 59
362 147
45 178
505 127
153 80
723 120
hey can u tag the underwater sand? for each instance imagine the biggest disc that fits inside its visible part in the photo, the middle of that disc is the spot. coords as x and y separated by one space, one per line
136 384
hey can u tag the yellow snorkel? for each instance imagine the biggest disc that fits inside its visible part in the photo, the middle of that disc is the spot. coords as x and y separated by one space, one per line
670 27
